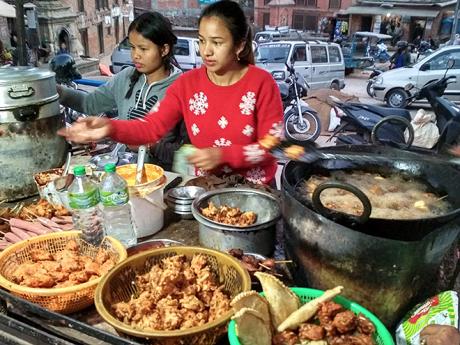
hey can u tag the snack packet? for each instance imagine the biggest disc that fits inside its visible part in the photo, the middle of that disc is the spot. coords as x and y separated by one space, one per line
441 309
180 162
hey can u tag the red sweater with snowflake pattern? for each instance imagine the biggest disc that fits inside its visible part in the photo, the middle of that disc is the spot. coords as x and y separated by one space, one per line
231 117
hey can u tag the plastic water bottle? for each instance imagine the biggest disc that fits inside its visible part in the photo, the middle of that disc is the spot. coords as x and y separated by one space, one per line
116 209
84 201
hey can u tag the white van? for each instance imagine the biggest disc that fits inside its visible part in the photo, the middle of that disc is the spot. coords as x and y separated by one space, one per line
320 63
186 52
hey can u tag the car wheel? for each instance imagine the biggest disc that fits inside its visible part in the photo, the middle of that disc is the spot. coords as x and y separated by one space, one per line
396 98
335 86
370 88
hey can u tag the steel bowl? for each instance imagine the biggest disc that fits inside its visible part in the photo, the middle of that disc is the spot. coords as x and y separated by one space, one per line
256 238
152 244
185 192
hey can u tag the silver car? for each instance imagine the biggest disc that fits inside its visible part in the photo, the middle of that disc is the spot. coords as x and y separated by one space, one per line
321 64
389 86
186 52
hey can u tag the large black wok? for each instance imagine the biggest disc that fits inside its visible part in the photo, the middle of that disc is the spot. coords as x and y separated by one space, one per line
385 265
443 178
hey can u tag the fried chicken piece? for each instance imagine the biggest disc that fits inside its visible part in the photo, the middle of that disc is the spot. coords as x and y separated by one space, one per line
73 246
107 266
70 264
79 277
170 313
237 253
193 319
102 256
219 305
90 265
38 254
309 331
40 279
192 302
345 322
24 270
327 311
352 340
365 326
285 338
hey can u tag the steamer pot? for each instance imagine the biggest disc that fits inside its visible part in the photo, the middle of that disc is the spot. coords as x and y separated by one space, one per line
29 118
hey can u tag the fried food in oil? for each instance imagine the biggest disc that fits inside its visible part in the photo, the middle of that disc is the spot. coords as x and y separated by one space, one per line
61 269
229 215
176 293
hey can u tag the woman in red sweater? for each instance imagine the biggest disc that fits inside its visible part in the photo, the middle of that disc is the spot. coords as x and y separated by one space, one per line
228 104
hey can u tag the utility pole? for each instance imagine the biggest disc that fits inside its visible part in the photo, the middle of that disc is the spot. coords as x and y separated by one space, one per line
455 25
21 33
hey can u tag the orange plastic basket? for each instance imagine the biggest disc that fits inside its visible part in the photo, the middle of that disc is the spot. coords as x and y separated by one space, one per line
63 300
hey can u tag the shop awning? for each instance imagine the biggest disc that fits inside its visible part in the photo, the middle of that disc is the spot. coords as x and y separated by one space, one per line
7 10
400 11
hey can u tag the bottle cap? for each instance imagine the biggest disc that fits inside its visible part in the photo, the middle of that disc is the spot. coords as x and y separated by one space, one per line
110 167
79 170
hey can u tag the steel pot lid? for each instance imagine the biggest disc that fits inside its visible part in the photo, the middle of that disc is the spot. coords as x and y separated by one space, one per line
26 86
23 74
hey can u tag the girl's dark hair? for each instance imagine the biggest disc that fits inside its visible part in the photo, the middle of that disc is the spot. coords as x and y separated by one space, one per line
158 29
235 21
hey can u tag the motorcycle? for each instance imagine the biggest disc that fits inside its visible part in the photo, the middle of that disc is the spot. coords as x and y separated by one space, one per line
301 122
370 83
379 125
379 52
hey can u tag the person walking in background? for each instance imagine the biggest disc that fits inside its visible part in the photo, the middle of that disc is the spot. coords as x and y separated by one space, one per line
137 90
228 104
63 48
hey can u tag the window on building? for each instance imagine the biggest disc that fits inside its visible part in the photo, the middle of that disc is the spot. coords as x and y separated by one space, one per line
116 28
307 3
334 3
300 21
334 54
100 34
266 19
98 4
266 2
81 5
109 30
318 54
84 41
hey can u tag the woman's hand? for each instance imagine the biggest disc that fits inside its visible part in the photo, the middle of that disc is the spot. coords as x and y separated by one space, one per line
206 159
455 150
87 129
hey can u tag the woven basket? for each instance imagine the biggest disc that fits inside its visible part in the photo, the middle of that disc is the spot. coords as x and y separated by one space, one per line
118 286
381 336
62 300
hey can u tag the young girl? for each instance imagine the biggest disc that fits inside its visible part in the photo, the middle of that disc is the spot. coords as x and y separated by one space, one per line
135 90
228 104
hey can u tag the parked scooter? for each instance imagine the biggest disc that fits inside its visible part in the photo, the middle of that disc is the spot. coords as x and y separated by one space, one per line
301 123
379 125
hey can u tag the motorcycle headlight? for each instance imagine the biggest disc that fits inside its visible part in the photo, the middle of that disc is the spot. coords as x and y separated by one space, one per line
378 80
278 75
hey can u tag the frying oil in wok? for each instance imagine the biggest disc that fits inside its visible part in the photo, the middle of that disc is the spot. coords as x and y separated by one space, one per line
391 197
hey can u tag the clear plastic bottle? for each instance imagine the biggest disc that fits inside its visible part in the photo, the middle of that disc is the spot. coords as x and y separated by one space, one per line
116 208
84 201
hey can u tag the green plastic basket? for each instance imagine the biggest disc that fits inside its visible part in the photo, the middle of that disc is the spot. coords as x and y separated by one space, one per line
381 337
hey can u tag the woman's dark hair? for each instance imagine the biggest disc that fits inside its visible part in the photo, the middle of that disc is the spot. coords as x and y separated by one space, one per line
235 21
158 29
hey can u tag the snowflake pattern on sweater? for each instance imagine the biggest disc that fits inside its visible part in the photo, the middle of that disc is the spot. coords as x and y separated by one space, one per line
233 118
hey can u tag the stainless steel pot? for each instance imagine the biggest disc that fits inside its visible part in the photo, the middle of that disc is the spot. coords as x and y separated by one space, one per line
257 238
29 119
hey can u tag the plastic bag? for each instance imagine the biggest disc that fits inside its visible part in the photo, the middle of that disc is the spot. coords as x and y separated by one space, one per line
334 118
180 162
441 309
426 133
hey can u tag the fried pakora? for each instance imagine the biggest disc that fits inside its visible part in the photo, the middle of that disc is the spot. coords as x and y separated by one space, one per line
229 215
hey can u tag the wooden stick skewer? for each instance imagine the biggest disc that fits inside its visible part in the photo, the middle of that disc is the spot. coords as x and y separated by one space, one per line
283 262
266 267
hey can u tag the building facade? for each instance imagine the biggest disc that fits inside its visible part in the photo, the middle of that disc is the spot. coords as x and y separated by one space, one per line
423 18
316 16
